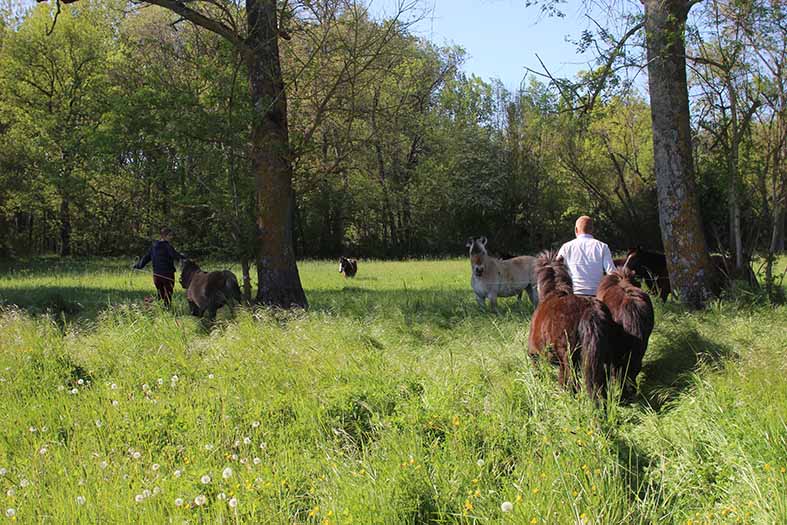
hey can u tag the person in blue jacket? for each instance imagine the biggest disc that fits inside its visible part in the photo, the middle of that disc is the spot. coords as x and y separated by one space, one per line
163 256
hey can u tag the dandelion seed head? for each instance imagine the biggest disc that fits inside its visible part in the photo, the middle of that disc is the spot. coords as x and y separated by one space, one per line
255 424
178 502
156 491
257 461
222 496
155 466
80 500
3 471
205 479
480 462
160 381
10 512
98 423
115 402
42 450
200 500
136 454
113 386
80 381
32 429
139 498
211 376
24 483
10 492
227 473
74 391
146 493
247 441
234 457
507 506
177 473
103 465
233 502
174 378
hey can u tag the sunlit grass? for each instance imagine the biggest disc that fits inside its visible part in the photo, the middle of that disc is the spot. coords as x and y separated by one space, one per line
394 399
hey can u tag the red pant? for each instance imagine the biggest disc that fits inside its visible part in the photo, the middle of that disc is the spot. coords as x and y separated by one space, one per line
165 283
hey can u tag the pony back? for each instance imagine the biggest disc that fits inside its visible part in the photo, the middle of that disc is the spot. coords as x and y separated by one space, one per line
629 305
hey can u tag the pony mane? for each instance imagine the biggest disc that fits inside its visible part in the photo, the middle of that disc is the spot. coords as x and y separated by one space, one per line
631 306
187 272
552 275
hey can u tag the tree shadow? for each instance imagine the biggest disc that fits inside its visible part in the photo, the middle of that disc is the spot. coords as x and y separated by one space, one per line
69 303
673 360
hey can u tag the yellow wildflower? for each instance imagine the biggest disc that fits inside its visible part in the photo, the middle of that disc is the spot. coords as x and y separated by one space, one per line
536 490
468 505
533 521
519 498
314 511
456 421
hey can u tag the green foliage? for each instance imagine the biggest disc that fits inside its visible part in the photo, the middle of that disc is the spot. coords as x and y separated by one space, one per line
393 400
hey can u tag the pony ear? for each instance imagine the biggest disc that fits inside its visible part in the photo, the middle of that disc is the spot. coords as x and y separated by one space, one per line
483 241
469 242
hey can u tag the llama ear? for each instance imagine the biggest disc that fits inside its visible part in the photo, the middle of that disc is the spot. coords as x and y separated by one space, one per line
469 242
483 241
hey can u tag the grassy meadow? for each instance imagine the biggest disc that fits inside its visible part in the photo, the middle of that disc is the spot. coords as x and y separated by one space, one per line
393 400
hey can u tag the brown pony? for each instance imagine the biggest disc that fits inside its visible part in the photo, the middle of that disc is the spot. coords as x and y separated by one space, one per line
573 328
208 291
632 315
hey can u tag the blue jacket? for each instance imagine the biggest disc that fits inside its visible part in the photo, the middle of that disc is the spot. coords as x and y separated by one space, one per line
163 256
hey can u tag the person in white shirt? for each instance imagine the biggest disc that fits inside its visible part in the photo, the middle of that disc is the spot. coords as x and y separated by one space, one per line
586 258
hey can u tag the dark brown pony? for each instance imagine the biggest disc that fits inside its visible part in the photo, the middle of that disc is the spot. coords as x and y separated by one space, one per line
651 267
348 267
573 328
208 291
632 316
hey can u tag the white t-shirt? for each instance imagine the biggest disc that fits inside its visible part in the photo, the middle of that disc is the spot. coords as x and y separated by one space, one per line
586 259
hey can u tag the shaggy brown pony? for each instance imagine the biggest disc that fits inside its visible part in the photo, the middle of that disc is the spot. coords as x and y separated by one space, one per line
208 291
572 328
632 315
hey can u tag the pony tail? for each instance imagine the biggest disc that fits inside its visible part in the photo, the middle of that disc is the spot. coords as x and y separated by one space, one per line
594 337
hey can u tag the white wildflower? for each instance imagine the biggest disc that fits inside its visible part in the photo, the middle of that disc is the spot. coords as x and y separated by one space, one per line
175 378
177 473
74 391
480 463
205 479
10 492
257 461
160 381
98 423
24 483
136 454
234 457
263 446
222 496
146 493
42 450
139 498
227 473
156 491
507 506
103 465
80 381
178 502
145 387
243 461
200 500
255 424
211 376
32 429
113 386
80 500
10 513
3 471
155 466
233 502
115 402
247 441
208 446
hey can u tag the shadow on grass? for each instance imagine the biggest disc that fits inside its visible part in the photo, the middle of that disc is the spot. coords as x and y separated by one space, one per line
671 364
69 302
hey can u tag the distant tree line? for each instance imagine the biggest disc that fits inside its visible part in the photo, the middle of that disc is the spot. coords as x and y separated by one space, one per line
122 118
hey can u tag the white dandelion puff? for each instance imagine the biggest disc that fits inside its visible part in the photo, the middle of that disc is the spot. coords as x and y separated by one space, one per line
80 500
233 502
136 454
160 381
115 402
103 465
98 423
255 424
234 457
10 512
139 498
10 492
24 483
211 376
507 506
205 479
32 429
80 381
200 500
247 441
222 496
177 473
227 473
156 491
480 462
145 387
175 378
155 466
208 446
263 446
178 502
146 493
3 471
42 450
257 461
74 391
113 386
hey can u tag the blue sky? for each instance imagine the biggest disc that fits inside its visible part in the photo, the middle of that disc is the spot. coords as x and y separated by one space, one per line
502 37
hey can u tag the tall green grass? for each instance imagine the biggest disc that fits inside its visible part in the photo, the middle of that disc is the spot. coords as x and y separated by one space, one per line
394 399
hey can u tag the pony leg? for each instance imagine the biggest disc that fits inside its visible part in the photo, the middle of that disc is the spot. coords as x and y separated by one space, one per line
532 291
194 308
493 303
481 301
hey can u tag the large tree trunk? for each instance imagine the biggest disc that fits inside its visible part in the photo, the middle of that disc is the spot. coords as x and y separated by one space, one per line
277 274
681 227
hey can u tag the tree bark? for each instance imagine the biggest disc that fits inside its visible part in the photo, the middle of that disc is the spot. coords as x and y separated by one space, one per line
277 274
681 227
